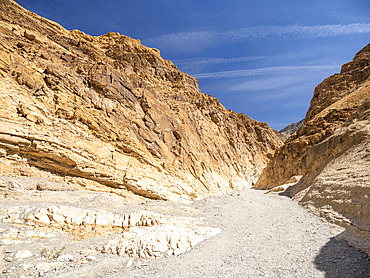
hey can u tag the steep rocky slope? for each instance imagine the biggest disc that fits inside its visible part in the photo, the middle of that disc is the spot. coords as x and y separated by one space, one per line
107 113
331 151
287 131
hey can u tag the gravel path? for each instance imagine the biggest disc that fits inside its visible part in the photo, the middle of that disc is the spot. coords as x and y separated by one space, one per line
263 235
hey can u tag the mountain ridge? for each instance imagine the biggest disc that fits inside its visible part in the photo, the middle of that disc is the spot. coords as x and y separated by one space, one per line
108 113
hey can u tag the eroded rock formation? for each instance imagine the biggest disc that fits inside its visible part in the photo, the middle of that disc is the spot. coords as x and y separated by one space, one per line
107 111
331 152
287 131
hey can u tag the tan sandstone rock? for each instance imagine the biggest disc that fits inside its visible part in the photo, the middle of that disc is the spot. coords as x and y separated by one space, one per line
109 112
331 151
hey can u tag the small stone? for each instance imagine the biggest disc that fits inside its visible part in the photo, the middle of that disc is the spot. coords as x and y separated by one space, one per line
90 258
27 266
8 259
130 263
69 258
22 254
177 252
47 266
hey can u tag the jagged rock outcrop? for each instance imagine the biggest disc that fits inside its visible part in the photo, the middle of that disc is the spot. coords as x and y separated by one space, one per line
334 101
338 188
331 152
287 131
109 112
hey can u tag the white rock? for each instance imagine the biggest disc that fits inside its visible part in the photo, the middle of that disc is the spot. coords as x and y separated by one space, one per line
125 222
177 252
89 219
183 244
58 218
101 220
68 219
156 241
22 254
130 263
90 258
158 246
27 266
118 220
134 218
64 258
174 239
42 218
195 240
47 266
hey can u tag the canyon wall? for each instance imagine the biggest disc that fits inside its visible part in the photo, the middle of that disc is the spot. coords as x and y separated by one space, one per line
331 152
107 113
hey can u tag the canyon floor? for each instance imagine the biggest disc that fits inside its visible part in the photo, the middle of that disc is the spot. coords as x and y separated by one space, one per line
262 235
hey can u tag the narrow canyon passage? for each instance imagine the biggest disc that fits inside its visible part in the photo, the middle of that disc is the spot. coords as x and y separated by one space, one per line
263 235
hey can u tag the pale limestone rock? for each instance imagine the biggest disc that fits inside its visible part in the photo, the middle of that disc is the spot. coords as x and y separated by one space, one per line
101 220
42 218
89 219
27 266
22 254
154 242
47 266
125 222
130 263
90 258
134 218
118 220
58 218
65 258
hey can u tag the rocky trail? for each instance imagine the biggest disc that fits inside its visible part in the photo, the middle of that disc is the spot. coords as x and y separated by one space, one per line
262 235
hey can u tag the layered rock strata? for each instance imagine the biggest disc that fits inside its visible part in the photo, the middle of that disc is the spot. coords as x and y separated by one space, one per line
141 234
331 152
107 111
334 101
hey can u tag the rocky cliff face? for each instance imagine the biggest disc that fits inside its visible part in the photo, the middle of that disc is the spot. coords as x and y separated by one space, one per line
107 113
286 132
339 186
334 101
331 152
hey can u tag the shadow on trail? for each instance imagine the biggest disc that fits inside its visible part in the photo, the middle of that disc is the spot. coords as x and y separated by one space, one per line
340 260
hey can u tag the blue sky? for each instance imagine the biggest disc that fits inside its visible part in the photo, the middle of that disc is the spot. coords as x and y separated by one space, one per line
262 57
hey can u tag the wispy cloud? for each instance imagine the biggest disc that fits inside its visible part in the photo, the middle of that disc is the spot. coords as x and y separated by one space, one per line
268 83
214 60
189 41
185 41
316 31
293 70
